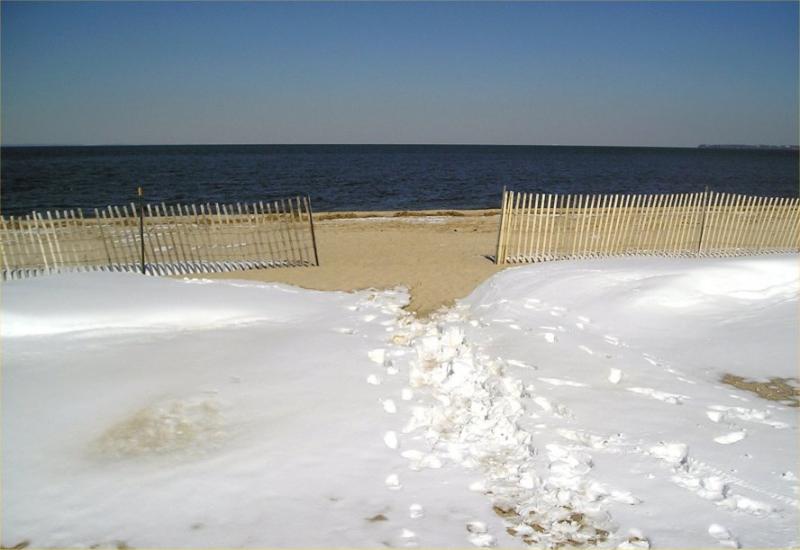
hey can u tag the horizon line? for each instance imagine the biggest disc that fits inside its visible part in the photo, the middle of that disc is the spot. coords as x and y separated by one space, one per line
697 146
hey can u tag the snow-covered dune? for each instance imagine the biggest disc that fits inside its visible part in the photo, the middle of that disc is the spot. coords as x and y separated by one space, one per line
562 403
163 413
589 396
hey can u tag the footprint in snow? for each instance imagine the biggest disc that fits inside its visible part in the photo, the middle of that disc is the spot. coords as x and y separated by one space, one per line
722 535
406 394
393 482
479 534
416 511
623 497
671 453
612 340
377 356
389 406
732 437
561 382
409 538
614 376
390 438
374 380
520 364
666 397
552 408
718 413
549 337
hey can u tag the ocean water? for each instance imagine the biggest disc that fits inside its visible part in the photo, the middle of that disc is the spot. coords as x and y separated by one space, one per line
374 177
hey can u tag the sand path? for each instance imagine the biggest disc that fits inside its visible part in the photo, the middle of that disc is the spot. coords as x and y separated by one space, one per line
438 257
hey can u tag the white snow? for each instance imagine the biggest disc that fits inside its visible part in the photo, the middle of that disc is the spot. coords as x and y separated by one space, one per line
167 413
164 413
616 438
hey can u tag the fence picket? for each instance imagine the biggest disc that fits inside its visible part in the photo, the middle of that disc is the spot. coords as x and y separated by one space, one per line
538 227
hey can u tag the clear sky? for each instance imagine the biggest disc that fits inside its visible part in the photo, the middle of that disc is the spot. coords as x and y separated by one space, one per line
656 74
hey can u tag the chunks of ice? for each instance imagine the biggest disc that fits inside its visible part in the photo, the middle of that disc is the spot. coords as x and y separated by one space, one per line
729 438
390 438
672 453
477 527
722 535
393 482
377 355
416 511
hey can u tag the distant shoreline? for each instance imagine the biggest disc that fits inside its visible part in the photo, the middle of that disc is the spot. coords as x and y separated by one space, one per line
443 145
752 147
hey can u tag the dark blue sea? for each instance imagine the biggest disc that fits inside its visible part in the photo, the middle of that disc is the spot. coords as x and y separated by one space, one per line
374 177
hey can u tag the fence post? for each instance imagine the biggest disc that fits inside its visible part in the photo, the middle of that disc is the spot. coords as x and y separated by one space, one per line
497 259
141 226
311 225
703 220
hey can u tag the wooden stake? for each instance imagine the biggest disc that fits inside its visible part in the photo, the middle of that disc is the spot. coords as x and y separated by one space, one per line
586 217
547 229
784 240
520 231
498 259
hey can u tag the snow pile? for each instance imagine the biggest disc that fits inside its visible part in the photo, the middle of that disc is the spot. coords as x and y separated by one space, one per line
571 403
159 413
91 303
587 396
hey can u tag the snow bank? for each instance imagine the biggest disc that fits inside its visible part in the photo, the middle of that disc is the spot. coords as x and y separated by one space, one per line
80 302
587 396
163 413
691 310
570 403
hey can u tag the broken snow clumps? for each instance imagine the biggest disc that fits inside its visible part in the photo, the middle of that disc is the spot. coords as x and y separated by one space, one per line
586 397
561 404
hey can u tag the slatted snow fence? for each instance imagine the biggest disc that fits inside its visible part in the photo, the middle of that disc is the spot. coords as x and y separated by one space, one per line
537 227
160 239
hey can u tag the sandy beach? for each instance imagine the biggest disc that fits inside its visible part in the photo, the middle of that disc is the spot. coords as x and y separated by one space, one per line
359 250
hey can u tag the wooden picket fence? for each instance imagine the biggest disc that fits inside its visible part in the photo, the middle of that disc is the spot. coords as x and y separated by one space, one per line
165 240
538 227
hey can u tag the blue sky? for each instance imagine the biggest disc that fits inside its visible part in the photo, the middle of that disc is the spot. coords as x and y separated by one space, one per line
655 74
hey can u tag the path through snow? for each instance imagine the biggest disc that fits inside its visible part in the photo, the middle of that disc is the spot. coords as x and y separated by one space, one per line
572 403
629 440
